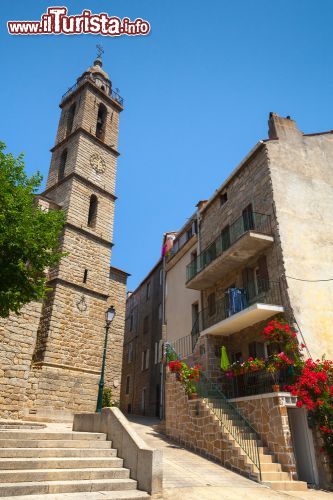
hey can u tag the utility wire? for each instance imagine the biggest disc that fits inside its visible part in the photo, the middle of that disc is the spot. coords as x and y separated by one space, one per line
309 281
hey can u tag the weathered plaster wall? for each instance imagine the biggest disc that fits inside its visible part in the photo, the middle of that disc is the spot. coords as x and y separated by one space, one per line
179 299
302 181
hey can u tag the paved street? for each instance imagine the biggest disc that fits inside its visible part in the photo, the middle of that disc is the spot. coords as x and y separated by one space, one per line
188 476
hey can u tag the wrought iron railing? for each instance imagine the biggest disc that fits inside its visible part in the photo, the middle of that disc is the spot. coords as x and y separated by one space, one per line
253 383
236 300
253 221
114 95
231 419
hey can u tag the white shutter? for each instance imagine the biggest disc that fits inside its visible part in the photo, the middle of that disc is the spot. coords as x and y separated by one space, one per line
147 358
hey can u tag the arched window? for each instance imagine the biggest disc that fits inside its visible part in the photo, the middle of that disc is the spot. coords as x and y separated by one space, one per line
92 214
62 165
101 121
70 118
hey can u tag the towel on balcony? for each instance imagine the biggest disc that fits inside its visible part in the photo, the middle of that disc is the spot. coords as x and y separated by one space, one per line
237 300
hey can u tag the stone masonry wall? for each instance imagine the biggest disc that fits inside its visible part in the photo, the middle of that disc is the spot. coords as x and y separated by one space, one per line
17 340
269 417
191 423
117 298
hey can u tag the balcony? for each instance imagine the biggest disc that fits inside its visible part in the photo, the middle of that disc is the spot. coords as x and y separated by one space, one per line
111 93
239 309
248 236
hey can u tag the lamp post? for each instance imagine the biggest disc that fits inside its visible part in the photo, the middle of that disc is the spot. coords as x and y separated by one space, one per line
109 317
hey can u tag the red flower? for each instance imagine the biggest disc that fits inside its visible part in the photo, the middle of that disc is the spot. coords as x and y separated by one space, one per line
299 404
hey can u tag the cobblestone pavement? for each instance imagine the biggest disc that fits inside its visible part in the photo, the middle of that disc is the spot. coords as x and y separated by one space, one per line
188 476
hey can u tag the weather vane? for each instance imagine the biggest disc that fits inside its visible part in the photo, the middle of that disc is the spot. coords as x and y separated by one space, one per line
100 50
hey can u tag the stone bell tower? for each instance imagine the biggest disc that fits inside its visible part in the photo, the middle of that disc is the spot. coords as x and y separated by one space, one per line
67 358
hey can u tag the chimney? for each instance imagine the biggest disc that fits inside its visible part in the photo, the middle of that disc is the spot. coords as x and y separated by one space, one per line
201 204
282 128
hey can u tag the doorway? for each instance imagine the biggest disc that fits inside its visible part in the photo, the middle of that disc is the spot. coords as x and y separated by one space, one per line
303 446
143 401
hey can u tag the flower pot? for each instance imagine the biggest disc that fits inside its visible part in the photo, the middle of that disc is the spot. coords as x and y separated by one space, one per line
276 388
193 395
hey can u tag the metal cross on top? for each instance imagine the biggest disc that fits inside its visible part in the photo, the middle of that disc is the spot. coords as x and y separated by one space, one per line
100 50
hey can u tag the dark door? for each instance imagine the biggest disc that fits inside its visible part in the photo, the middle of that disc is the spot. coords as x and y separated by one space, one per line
248 219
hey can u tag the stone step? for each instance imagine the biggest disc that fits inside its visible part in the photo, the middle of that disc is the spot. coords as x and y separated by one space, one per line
286 485
61 436
54 443
50 487
57 452
275 476
59 463
106 495
270 467
28 475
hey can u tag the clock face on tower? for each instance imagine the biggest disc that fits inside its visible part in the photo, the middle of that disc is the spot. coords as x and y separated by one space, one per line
97 163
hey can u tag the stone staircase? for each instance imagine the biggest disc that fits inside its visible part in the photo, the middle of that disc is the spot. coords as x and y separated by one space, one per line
237 436
63 465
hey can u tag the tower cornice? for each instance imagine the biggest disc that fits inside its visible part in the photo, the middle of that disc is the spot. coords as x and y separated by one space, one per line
78 87
83 180
88 134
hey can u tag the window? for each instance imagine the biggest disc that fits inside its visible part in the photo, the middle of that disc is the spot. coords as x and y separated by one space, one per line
130 353
131 322
148 291
92 214
70 119
225 237
211 304
256 350
160 312
62 165
101 121
195 315
248 220
85 276
145 324
261 275
145 360
224 198
161 276
128 378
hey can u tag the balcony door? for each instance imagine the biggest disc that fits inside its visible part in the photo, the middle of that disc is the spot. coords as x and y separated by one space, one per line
248 219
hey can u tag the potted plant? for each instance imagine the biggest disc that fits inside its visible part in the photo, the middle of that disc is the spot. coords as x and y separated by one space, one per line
274 372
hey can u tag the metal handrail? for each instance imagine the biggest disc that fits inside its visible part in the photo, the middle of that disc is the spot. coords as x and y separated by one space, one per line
228 414
262 291
254 221
114 95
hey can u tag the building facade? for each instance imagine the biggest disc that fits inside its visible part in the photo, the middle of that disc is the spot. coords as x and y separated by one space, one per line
59 360
142 379
264 251
182 305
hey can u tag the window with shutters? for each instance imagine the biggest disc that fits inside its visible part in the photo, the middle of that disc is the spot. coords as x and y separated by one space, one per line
248 219
261 275
145 360
225 237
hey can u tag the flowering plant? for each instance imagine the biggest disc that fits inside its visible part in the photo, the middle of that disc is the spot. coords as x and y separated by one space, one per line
280 332
314 390
185 374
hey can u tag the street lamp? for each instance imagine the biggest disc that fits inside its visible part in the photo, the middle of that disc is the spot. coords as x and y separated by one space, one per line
109 317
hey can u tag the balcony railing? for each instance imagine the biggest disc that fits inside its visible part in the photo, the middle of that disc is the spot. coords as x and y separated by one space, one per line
114 95
253 221
253 383
236 300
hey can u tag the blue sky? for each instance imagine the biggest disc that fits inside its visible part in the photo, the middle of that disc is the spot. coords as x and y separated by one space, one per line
197 93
